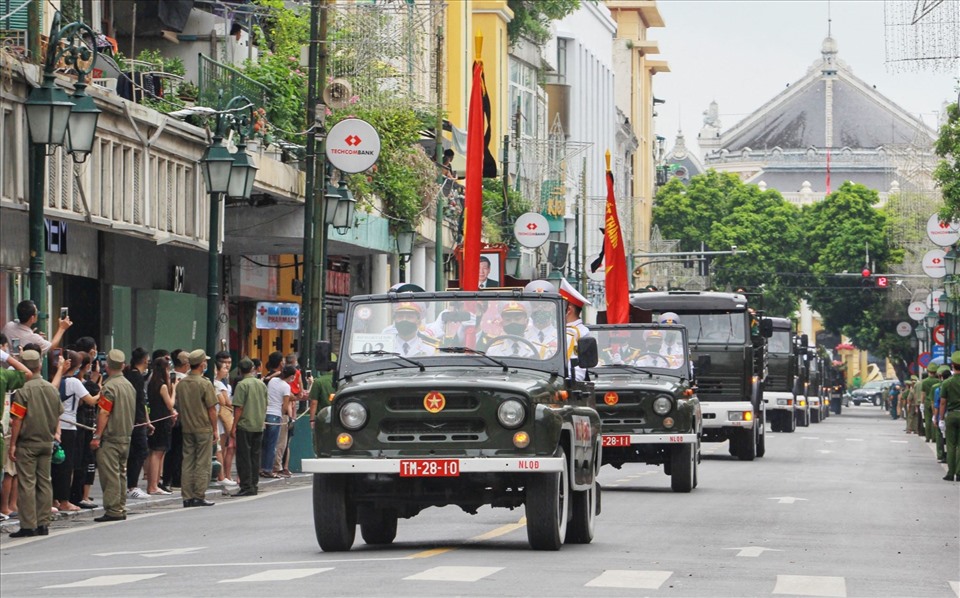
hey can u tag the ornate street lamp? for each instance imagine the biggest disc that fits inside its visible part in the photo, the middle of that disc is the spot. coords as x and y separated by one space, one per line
242 174
82 125
951 263
513 261
343 217
331 199
405 238
931 319
217 166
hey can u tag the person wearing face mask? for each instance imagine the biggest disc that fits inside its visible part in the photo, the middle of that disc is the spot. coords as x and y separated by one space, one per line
621 349
542 331
513 322
650 356
409 342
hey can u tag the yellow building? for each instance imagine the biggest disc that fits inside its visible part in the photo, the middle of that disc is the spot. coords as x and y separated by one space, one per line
635 62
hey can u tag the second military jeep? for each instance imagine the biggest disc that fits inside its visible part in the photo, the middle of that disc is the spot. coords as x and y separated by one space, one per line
647 403
456 398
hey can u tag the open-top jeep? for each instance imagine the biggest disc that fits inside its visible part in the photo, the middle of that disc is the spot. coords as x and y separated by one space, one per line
646 399
456 398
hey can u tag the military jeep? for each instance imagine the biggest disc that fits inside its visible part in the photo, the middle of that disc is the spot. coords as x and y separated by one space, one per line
456 398
647 404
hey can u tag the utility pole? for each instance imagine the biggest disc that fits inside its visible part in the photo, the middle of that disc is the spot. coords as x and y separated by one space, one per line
306 288
583 228
319 266
439 283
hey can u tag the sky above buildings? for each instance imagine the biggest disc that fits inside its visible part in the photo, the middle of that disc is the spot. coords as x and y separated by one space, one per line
742 54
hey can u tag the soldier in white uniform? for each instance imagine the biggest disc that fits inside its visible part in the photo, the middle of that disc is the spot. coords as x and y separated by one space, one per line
513 321
653 341
575 328
409 340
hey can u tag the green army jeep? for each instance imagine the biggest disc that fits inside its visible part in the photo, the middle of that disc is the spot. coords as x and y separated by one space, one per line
645 396
456 398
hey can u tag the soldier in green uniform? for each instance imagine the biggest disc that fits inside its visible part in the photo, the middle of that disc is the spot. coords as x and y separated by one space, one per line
950 416
926 400
943 372
319 398
111 441
198 419
907 402
10 379
249 414
35 425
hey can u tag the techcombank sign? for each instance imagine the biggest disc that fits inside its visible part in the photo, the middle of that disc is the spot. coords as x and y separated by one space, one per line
352 145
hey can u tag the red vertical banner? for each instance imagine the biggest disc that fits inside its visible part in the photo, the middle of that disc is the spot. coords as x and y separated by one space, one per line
616 280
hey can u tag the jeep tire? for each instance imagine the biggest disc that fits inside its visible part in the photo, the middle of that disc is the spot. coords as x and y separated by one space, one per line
683 467
378 526
334 515
547 507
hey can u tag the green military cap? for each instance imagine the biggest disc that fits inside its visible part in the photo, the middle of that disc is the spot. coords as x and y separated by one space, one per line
246 364
913 377
116 358
197 357
932 368
955 358
30 358
942 370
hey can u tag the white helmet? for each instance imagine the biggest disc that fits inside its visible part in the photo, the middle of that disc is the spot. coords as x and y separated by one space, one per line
669 318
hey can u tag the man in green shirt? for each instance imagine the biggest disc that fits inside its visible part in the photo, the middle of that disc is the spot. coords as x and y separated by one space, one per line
35 425
926 388
319 398
111 441
950 418
249 414
10 379
198 419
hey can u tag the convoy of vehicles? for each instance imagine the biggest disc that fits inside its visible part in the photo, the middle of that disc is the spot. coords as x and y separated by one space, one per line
444 399
728 342
647 403
782 405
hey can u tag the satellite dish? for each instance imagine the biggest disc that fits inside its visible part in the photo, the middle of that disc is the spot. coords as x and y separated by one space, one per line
337 94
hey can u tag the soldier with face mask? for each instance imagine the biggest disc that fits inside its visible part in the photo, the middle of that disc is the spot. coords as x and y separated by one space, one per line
513 321
409 342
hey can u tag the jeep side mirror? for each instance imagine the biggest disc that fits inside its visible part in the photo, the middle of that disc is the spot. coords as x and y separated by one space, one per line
321 356
587 354
703 364
804 341
766 327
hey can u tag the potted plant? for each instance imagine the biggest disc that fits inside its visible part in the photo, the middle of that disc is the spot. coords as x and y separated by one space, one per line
187 91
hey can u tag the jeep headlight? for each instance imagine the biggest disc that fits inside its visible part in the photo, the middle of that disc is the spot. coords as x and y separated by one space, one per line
353 415
511 414
662 405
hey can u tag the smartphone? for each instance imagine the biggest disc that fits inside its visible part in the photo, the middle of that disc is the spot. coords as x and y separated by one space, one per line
15 346
64 312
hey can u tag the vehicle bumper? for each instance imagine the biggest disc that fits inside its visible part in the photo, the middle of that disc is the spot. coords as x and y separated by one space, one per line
468 465
720 413
653 439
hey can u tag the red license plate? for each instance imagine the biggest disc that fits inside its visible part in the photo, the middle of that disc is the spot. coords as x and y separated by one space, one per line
429 468
619 440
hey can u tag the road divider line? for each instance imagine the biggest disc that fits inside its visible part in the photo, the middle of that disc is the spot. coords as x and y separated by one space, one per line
494 533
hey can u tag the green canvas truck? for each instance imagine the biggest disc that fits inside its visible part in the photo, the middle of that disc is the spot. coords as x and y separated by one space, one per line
456 398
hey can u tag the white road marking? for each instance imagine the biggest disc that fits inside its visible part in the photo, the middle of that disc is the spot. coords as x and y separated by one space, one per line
955 586
811 585
753 551
154 553
854 439
824 451
810 438
277 575
106 580
899 441
635 580
829 441
454 574
785 500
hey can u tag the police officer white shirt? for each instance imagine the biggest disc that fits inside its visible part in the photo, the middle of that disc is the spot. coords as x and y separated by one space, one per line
414 347
576 330
509 347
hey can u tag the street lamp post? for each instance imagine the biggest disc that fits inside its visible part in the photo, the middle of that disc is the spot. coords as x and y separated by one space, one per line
50 114
230 175
405 238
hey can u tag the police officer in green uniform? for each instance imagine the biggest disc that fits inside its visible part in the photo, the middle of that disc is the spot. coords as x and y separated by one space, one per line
926 388
111 441
943 372
950 416
198 419
10 379
249 414
35 425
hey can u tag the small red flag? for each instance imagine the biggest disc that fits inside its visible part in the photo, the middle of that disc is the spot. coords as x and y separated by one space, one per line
617 286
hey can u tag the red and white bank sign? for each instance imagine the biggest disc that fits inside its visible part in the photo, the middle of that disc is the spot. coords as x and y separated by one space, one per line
352 145
933 264
531 229
917 310
943 233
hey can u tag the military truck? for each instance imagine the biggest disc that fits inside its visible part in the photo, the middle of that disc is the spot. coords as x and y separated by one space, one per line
729 344
648 407
781 403
455 398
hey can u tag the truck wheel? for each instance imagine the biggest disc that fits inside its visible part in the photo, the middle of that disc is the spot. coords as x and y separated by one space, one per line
684 467
791 424
334 517
696 468
378 526
815 416
775 423
747 451
547 507
761 443
580 530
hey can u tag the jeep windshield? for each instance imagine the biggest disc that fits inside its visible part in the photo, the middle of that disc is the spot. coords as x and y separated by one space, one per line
647 348
452 329
724 328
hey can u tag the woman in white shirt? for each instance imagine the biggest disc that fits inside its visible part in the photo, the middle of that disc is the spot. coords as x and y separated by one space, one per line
72 394
278 401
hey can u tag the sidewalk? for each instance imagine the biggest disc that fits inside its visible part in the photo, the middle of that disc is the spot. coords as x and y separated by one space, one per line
140 505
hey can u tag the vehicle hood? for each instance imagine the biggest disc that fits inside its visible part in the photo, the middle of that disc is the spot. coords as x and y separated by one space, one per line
866 391
530 382
634 381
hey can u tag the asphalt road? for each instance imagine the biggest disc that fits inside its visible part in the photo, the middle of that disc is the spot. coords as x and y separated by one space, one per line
849 507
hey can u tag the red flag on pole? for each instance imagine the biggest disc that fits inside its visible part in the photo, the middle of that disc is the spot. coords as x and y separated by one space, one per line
617 286
480 163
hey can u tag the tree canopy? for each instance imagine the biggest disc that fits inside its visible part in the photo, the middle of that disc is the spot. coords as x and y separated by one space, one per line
947 173
531 18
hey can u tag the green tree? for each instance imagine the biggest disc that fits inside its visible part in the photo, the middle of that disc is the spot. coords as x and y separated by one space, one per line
531 18
688 213
839 231
947 173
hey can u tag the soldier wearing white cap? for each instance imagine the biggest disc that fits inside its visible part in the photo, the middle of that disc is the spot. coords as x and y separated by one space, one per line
514 320
409 342
575 328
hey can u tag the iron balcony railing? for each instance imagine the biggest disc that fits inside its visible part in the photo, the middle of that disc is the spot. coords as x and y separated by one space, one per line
215 79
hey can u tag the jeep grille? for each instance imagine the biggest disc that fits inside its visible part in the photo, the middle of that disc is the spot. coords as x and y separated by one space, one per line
436 430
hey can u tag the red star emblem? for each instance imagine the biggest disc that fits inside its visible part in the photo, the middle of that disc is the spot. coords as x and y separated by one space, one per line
434 402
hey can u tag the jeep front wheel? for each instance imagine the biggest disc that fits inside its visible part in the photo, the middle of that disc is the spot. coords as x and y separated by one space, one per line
548 507
378 526
334 517
683 467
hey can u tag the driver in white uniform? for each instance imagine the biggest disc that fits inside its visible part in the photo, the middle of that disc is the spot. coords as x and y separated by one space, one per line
513 321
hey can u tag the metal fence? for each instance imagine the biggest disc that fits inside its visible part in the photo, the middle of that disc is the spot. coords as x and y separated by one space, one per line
217 80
